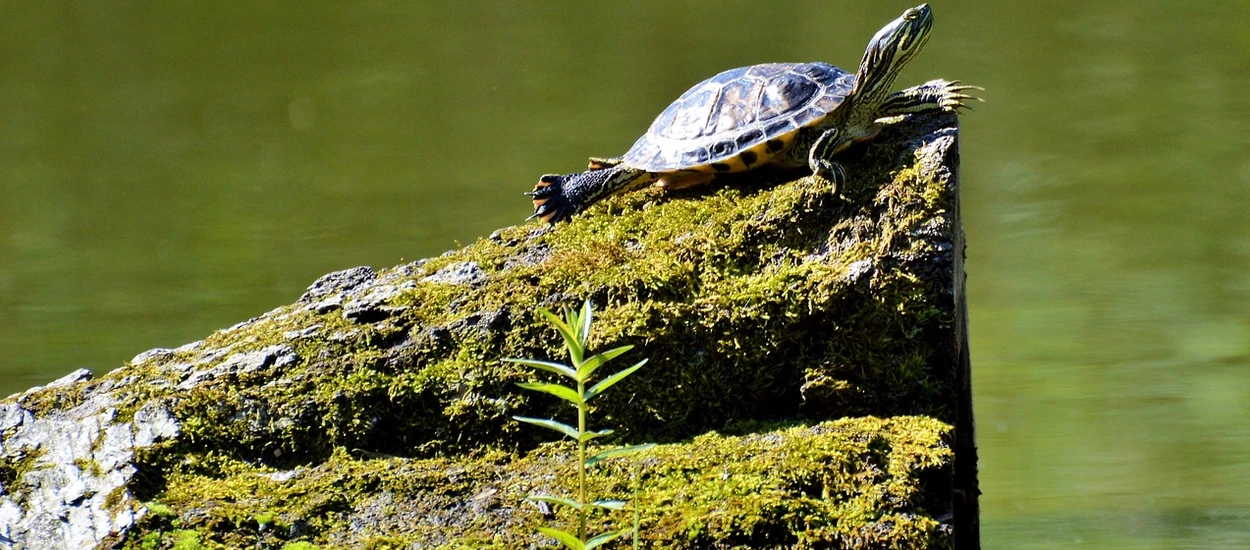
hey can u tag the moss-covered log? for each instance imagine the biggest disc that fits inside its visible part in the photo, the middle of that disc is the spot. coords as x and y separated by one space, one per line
761 302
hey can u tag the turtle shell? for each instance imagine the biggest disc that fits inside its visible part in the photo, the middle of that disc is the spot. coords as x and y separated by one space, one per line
741 118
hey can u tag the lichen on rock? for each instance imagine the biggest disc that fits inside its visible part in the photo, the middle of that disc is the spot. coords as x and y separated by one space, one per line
781 320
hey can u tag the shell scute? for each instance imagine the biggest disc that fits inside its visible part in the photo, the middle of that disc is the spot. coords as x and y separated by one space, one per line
781 127
695 157
784 94
737 112
723 149
749 138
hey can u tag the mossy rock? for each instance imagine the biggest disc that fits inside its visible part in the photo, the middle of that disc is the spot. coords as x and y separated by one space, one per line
851 483
760 301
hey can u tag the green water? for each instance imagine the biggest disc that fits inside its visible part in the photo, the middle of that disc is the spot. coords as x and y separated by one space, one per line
169 168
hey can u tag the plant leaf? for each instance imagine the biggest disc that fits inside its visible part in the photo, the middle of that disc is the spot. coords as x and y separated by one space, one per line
585 317
605 538
562 370
618 452
556 500
588 367
550 424
607 382
567 539
576 351
608 504
591 434
567 394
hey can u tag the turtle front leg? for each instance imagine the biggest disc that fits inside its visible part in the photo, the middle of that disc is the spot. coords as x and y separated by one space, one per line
826 146
932 96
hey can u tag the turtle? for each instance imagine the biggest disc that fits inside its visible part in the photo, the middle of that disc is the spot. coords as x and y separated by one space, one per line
785 115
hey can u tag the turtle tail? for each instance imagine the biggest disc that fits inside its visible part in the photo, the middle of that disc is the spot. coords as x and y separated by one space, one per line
551 202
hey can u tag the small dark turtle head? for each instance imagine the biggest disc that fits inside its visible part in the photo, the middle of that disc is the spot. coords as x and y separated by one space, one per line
890 50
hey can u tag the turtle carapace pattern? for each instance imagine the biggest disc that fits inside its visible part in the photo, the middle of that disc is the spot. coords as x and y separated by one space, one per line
788 115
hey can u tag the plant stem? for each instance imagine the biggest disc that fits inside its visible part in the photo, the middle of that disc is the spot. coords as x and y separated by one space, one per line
636 504
581 461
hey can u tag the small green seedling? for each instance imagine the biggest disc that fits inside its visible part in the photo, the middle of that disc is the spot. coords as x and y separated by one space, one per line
575 329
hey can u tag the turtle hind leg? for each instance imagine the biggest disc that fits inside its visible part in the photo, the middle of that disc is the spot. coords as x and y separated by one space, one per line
673 182
551 203
932 96
557 198
599 163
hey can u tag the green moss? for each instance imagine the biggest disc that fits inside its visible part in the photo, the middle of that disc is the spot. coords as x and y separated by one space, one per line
264 518
159 509
187 540
150 541
89 466
10 472
115 498
14 468
855 483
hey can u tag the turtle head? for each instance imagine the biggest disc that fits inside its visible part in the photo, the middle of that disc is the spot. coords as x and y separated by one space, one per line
889 51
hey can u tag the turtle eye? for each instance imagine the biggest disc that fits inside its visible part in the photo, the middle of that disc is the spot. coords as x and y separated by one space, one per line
911 15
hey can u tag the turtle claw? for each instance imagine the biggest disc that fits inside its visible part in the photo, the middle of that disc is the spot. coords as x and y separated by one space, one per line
952 96
831 172
934 95
547 186
955 86
549 212
956 102
550 204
